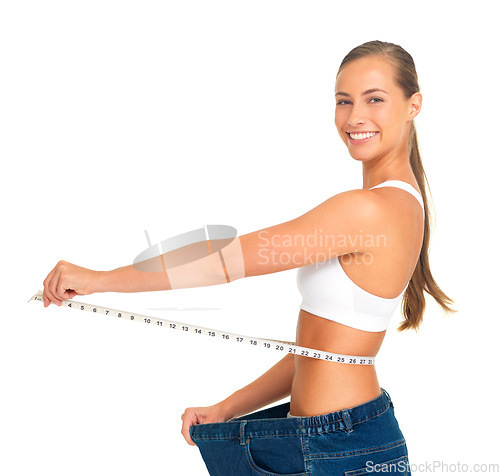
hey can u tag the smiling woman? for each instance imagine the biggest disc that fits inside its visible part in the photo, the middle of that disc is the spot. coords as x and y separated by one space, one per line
380 83
373 100
347 303
360 255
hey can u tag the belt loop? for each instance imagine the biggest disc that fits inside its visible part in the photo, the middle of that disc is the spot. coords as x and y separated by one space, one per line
347 420
388 397
242 432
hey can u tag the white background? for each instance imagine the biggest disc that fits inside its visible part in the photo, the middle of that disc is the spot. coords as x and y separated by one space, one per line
120 117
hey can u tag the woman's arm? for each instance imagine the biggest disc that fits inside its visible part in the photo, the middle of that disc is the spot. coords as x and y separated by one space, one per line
349 222
272 386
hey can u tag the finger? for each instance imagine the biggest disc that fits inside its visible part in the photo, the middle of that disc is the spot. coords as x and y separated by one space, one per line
52 280
186 435
62 292
47 295
186 424
60 286
60 281
53 288
46 300
188 439
71 294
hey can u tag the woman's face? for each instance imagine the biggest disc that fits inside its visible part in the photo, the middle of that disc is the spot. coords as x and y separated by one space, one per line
372 114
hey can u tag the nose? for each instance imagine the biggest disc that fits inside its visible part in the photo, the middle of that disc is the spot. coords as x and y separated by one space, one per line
356 117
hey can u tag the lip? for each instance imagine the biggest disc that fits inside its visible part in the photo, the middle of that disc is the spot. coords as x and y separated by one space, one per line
361 141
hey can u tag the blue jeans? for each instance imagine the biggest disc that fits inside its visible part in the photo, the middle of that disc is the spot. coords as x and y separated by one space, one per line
360 440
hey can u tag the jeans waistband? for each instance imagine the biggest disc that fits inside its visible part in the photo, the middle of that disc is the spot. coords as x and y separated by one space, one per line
339 420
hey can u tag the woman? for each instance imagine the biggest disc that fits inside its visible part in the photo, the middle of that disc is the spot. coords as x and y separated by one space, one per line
339 420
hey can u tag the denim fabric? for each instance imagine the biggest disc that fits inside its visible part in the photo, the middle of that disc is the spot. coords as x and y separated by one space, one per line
365 439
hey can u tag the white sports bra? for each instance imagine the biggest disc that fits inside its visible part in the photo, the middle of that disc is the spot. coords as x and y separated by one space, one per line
328 292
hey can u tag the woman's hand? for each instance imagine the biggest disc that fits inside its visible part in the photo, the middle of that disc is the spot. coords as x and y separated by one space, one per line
199 415
66 281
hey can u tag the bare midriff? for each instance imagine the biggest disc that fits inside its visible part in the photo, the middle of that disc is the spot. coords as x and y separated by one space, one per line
321 387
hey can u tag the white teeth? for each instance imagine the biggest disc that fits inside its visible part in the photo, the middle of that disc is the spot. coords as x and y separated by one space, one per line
365 135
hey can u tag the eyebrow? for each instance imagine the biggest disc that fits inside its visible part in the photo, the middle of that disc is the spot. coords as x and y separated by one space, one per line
368 91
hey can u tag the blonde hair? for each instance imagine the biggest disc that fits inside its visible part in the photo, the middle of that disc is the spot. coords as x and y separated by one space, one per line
413 304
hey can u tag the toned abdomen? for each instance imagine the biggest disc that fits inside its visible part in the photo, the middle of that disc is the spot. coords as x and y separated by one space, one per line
321 387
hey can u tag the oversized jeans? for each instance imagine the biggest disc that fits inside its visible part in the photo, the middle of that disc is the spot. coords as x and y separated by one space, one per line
365 439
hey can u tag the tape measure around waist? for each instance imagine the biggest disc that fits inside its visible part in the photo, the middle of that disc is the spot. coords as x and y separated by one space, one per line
256 342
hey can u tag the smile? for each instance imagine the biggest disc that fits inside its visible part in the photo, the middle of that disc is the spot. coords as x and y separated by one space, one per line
360 138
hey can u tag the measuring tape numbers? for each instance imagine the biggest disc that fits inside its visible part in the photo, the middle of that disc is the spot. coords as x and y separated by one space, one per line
256 342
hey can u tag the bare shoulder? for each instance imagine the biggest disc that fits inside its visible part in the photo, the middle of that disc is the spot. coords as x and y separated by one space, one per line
390 212
356 205
396 206
358 208
399 218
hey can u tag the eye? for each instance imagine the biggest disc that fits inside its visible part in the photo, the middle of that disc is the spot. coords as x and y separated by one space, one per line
342 102
375 100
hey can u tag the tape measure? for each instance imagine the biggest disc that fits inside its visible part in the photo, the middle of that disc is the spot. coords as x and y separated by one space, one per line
256 342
